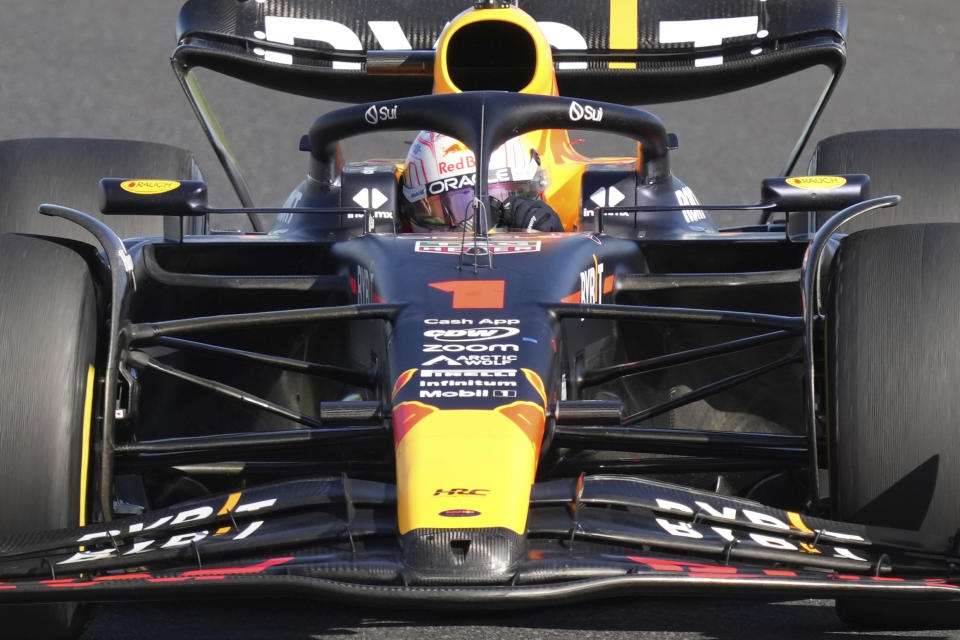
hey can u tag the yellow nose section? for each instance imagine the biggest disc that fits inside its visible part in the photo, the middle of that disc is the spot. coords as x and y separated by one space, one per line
466 468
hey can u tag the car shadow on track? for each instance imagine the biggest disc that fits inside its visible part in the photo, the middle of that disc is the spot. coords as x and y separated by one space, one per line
654 618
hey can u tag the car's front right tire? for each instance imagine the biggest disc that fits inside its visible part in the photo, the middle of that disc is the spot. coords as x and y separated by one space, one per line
893 345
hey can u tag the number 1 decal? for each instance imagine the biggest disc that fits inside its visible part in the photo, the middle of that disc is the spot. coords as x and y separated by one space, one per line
474 294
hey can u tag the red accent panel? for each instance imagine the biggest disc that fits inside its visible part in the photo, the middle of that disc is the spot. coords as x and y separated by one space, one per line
474 294
126 576
841 576
406 416
254 568
780 572
660 564
939 582
402 380
353 286
608 284
573 298
167 579
529 417
657 565
377 298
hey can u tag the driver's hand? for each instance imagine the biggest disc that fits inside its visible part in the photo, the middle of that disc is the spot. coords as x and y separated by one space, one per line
529 215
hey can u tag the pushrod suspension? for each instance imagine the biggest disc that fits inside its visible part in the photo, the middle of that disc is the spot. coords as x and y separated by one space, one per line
606 374
710 389
366 378
793 324
150 330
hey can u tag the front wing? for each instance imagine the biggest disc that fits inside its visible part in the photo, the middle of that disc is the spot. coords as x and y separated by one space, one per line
587 538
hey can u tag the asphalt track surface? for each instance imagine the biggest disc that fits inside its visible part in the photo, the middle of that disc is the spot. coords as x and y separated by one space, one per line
100 68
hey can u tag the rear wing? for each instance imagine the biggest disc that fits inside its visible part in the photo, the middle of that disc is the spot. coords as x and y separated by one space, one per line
625 51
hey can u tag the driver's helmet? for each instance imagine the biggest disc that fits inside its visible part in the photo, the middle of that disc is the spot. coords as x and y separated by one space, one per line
439 176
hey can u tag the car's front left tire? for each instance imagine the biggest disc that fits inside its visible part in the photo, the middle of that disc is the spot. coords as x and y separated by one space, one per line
48 359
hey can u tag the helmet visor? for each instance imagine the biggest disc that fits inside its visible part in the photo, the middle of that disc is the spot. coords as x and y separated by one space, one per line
453 208
524 189
450 209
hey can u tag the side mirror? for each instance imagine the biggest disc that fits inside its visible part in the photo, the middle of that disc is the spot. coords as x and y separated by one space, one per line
815 193
153 197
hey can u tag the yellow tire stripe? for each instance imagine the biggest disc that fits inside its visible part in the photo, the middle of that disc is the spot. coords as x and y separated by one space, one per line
623 29
85 443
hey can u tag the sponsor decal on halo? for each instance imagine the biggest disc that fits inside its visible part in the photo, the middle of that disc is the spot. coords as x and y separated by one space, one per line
148 187
578 112
376 114
817 182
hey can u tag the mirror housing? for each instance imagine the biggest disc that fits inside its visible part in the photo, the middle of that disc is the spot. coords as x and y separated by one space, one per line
815 193
153 197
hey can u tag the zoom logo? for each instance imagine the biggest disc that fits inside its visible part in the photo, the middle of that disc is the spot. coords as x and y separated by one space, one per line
578 112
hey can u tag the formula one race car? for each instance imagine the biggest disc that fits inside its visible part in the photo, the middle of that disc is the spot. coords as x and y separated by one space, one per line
391 392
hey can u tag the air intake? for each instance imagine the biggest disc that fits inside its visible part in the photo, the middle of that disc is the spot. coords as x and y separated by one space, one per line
491 55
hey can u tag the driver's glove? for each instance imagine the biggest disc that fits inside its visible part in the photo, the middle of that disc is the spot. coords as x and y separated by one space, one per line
529 215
